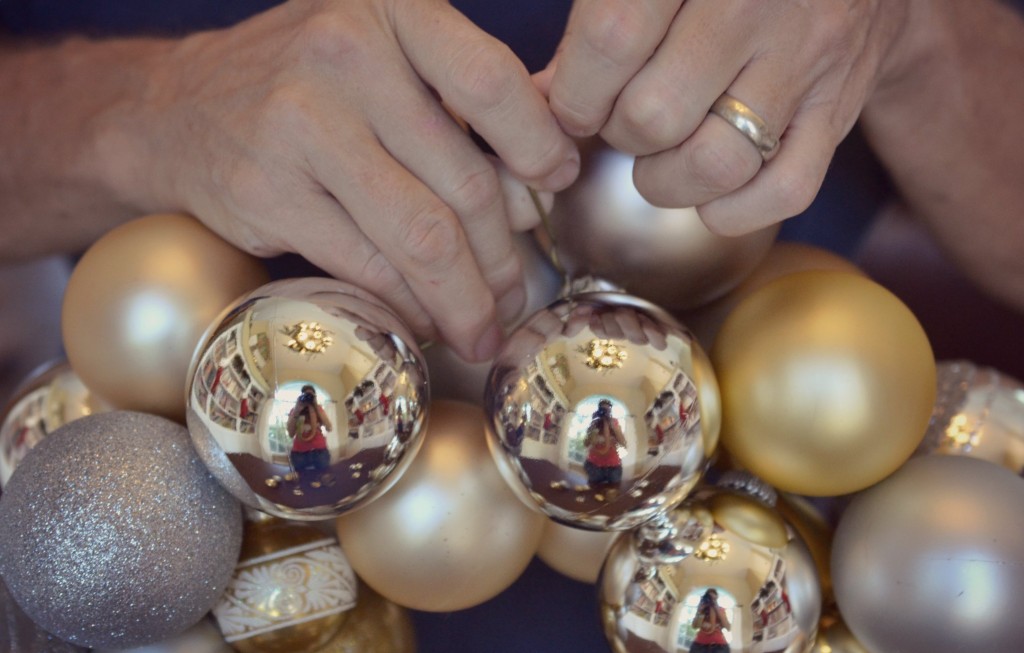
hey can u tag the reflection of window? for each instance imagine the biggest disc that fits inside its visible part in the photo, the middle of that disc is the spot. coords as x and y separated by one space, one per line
726 601
278 441
581 417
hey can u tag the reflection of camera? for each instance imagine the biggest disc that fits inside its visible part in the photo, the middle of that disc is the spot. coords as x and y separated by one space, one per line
306 398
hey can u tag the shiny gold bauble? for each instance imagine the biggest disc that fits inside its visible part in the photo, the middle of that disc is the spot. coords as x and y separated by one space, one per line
574 552
602 410
268 360
816 532
762 571
49 398
979 412
782 258
450 534
375 625
137 304
602 226
828 382
930 559
291 591
835 637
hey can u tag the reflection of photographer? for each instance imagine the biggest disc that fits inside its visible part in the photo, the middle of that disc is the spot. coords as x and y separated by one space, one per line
709 622
603 465
306 423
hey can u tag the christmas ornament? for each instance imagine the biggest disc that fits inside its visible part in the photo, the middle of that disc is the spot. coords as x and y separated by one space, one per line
306 398
978 413
827 382
602 410
835 637
375 625
782 258
114 534
52 396
602 226
292 589
201 638
658 580
450 534
814 529
930 559
453 378
138 301
574 552
18 633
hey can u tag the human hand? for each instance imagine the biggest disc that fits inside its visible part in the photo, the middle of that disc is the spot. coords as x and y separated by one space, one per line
318 128
646 74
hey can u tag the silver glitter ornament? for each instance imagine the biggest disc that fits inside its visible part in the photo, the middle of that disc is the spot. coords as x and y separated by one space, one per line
655 582
602 411
307 398
114 533
19 634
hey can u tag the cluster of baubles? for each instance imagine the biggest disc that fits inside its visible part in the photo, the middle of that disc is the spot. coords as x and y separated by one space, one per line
596 448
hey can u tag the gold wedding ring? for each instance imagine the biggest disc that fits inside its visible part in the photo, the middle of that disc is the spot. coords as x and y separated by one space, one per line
747 123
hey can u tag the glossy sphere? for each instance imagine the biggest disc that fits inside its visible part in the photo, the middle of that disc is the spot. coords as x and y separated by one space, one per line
930 559
450 534
50 398
601 411
137 304
602 226
828 382
761 570
979 412
263 366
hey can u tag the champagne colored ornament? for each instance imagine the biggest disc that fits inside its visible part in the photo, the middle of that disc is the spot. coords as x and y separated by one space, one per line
114 534
602 226
291 592
574 552
52 396
201 638
450 534
138 301
827 383
306 398
602 410
375 625
654 579
930 559
783 258
835 637
979 412
453 378
816 533
18 633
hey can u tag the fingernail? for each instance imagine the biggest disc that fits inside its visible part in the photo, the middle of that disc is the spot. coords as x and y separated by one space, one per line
511 305
565 175
487 346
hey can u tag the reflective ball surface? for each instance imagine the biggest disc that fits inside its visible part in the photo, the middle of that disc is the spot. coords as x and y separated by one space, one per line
652 593
602 411
979 412
48 399
306 398
602 226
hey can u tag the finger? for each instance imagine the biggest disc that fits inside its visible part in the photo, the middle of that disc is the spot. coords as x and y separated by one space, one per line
655 333
606 43
629 322
704 50
523 212
420 134
787 185
488 86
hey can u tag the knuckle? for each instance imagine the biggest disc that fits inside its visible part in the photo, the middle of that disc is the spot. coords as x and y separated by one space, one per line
615 30
287 107
331 37
378 273
649 122
719 168
432 237
478 192
485 75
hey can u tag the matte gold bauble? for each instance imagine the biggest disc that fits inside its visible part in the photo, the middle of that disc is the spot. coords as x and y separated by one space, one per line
783 258
979 413
574 552
602 226
450 534
49 398
827 380
138 302
929 559
375 625
291 591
